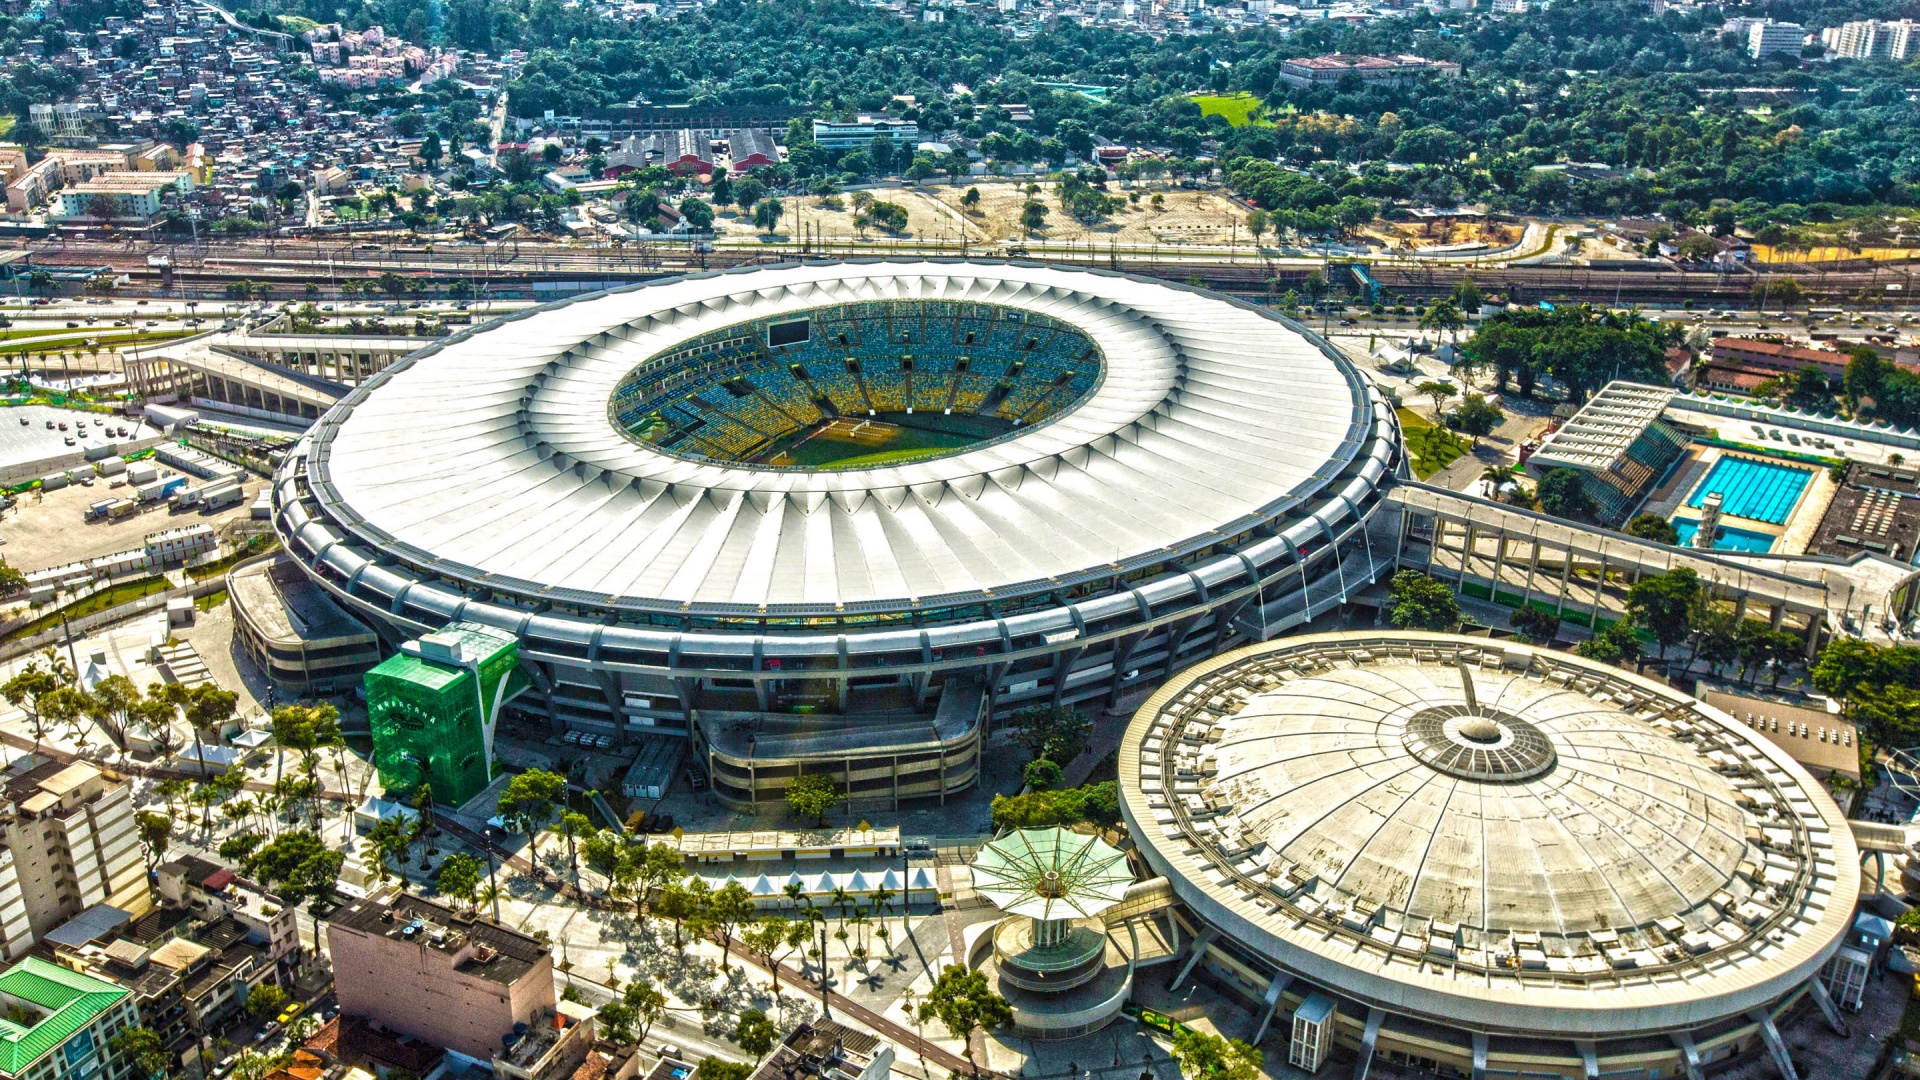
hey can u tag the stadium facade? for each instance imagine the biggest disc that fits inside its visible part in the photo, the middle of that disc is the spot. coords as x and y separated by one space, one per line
839 516
1472 858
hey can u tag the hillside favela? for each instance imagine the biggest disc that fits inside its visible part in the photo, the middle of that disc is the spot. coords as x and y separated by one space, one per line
959 540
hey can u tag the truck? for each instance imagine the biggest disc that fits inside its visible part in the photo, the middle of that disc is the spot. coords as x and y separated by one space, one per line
155 490
222 497
122 509
99 510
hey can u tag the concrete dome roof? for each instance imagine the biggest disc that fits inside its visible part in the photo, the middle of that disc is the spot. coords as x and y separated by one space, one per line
1486 833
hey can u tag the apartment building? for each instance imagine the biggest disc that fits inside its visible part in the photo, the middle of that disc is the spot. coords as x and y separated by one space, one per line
1872 39
69 843
61 1024
33 184
1767 37
425 970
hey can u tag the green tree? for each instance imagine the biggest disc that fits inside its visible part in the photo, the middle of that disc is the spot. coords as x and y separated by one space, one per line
530 798
1439 392
1421 603
756 1034
766 215
1653 527
156 833
145 1050
714 1068
728 907
970 201
1442 315
1615 644
26 691
392 839
297 865
1467 297
764 939
648 1002
459 877
813 795
1534 625
1209 1057
1663 605
1042 774
1478 417
698 214
264 1002
1033 216
1876 686
1562 494
747 192
962 1001
1055 732
571 825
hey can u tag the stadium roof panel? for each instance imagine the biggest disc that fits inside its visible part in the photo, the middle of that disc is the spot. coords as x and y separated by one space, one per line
1488 834
494 450
1599 435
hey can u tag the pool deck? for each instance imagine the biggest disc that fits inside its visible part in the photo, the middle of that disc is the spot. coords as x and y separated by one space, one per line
1791 538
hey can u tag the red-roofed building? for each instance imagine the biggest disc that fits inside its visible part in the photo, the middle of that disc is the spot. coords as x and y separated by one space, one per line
1776 357
751 148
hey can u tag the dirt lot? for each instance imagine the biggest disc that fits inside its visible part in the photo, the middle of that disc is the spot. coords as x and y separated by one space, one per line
934 213
1184 217
52 530
1419 236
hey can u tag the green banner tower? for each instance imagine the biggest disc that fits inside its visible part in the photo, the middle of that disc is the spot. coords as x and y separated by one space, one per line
433 706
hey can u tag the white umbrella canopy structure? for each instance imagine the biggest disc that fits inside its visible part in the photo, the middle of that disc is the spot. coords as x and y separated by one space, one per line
1051 874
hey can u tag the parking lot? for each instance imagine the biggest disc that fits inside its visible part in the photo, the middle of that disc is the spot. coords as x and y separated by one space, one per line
50 529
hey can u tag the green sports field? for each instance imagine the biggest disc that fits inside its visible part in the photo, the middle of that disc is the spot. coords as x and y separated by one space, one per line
1239 109
916 437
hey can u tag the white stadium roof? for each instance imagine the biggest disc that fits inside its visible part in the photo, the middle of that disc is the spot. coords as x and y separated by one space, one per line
492 455
1489 835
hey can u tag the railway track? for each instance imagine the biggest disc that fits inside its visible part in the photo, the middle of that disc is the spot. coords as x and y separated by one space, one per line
206 270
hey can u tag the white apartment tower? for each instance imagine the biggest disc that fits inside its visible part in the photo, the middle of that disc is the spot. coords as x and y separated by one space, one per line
1872 39
67 842
1769 37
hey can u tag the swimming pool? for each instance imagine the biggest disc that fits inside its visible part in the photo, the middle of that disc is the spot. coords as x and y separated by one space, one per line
1756 490
1730 538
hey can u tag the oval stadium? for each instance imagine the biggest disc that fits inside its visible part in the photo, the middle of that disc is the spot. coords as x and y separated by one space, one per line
1467 857
838 516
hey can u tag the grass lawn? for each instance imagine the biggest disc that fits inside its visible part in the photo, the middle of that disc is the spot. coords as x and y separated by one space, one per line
112 596
1433 448
76 342
1240 109
889 457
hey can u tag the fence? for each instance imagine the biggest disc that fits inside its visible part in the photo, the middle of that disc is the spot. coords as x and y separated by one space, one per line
80 626
1884 434
34 470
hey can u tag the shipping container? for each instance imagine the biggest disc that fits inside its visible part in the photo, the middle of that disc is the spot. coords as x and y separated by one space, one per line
53 483
111 466
142 472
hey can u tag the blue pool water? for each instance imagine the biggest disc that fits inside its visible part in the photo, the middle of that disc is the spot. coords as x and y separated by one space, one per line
1730 538
1756 490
